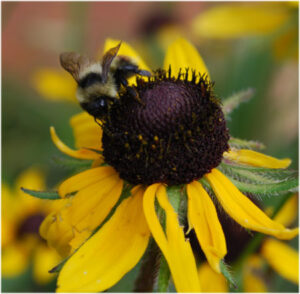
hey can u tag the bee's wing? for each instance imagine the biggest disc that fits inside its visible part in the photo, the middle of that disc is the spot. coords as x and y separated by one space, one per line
107 60
73 63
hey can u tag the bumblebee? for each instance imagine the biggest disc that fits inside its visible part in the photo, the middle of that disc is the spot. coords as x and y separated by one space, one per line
100 82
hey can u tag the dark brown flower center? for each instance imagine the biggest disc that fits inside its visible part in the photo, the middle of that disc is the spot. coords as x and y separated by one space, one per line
165 130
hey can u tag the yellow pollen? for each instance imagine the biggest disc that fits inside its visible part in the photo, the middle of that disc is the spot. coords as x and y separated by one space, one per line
156 139
140 137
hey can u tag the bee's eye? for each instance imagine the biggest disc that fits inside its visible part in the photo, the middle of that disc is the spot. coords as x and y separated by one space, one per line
89 80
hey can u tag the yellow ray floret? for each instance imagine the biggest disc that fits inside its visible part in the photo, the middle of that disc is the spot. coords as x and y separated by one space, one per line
211 281
243 211
175 247
182 54
87 133
99 189
203 218
80 154
111 252
283 259
254 158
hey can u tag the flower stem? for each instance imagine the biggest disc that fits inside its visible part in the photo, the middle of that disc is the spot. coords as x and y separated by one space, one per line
146 278
163 276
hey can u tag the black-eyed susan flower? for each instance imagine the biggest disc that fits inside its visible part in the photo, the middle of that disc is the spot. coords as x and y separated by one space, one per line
21 218
167 155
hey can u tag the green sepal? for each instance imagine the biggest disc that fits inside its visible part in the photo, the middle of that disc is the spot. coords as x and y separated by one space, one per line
49 195
175 196
227 274
290 185
72 162
261 181
236 99
244 144
164 276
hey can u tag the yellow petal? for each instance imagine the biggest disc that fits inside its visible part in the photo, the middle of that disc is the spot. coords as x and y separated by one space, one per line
254 158
85 179
210 280
81 153
175 248
182 54
57 233
252 280
85 211
242 210
288 213
14 260
114 250
126 50
282 258
44 259
55 84
239 20
87 133
203 217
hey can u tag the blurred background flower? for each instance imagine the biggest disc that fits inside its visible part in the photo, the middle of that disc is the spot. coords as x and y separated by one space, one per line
24 252
244 45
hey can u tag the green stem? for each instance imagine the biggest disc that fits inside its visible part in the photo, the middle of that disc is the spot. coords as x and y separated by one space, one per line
163 276
147 274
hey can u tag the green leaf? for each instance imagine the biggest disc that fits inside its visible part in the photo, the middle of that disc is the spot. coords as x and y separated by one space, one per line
50 195
227 274
244 144
289 185
72 162
236 99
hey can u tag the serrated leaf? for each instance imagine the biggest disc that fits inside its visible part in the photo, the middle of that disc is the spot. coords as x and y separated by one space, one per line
244 144
236 99
49 195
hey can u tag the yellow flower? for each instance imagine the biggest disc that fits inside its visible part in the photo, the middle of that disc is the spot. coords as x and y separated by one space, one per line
237 20
100 192
21 217
281 257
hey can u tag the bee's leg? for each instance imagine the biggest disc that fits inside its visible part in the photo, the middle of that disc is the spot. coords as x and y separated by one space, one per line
133 92
130 68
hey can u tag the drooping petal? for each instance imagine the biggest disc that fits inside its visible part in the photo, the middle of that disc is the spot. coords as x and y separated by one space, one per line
203 218
182 54
243 210
282 258
80 154
44 259
85 179
289 211
86 132
252 280
211 281
99 189
55 84
126 50
108 255
258 159
237 20
175 247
